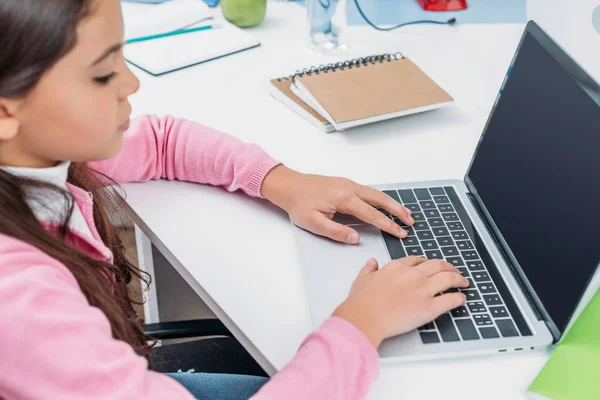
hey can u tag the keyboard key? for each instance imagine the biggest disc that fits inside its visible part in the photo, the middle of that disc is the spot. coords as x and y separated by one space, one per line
445 241
482 319
435 254
441 232
446 328
464 245
471 284
467 329
429 337
394 246
418 216
427 327
399 222
455 226
345 216
464 272
410 241
456 261
413 207
481 276
425 205
438 191
446 207
410 230
451 290
425 235
346 219
492 300
421 225
414 251
470 255
507 328
393 194
432 213
450 251
471 295
476 307
422 194
407 196
487 287
460 312
499 312
460 235
441 199
475 266
489 332
436 222
448 217
429 244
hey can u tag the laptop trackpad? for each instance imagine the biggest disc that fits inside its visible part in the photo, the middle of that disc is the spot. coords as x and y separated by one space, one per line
330 267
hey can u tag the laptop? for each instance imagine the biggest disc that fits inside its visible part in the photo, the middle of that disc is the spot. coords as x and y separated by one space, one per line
522 225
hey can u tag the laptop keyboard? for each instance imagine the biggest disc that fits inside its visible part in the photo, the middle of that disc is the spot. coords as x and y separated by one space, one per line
439 232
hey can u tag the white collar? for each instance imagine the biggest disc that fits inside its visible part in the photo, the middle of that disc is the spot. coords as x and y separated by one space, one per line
51 209
56 175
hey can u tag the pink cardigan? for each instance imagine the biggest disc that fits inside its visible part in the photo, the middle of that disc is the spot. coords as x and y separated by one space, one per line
54 345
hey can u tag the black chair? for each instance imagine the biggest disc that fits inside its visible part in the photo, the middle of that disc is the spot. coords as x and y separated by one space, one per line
218 352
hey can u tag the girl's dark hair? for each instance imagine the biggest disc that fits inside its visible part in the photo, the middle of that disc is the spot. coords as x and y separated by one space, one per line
34 35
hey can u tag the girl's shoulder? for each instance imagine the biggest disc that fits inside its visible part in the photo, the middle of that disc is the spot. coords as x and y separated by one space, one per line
19 257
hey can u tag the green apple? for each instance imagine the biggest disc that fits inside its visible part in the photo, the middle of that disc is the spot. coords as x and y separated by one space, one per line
244 13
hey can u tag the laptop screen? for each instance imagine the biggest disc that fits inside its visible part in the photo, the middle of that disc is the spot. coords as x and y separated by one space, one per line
537 172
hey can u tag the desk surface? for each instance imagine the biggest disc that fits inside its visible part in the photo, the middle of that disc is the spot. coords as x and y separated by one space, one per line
242 251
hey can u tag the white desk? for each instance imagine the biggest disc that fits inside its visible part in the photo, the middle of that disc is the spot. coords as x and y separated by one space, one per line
241 251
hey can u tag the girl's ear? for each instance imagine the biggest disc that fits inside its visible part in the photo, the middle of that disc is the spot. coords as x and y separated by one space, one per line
9 125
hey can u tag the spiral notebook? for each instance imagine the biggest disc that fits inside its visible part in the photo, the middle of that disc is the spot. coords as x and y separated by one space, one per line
281 90
361 91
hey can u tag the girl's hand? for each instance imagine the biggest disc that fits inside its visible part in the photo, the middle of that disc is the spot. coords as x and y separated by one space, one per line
401 296
312 201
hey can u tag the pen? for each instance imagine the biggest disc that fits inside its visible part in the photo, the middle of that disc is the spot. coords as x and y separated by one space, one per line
173 33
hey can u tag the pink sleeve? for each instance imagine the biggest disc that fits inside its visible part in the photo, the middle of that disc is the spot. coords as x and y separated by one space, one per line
57 345
171 148
336 362
54 345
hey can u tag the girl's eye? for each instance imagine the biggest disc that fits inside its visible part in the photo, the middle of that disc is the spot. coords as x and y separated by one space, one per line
103 80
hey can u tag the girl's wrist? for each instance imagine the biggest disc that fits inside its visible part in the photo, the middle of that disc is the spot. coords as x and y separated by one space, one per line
366 326
275 186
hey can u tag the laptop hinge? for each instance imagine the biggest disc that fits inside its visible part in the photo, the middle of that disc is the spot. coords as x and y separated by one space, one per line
506 259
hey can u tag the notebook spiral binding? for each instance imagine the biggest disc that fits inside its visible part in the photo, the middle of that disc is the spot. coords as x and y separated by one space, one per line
349 64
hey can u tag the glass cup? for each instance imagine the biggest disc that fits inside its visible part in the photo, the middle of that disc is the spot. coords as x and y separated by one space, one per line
323 34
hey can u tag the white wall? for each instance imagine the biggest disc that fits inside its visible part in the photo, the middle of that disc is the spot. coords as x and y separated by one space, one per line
569 22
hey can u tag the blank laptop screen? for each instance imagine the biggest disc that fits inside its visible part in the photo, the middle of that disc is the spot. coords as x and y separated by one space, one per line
537 172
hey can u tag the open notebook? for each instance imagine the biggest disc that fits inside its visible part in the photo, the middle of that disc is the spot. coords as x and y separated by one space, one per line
360 91
171 53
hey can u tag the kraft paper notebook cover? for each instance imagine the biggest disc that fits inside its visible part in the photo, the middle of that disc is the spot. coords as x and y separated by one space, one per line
281 90
367 90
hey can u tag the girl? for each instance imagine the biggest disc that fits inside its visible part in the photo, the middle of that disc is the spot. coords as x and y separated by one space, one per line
69 331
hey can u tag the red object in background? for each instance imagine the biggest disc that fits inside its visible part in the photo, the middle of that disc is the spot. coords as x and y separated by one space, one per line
443 5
